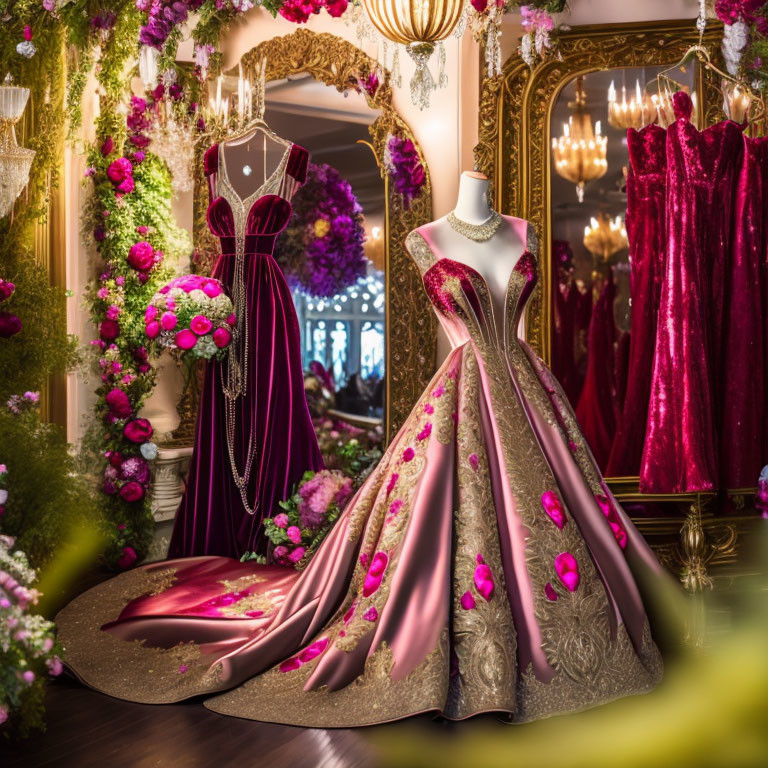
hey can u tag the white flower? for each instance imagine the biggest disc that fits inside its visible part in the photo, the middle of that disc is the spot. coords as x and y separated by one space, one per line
148 451
735 39
526 50
3 495
198 296
26 49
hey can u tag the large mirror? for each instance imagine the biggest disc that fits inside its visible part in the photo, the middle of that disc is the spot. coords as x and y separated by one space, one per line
366 329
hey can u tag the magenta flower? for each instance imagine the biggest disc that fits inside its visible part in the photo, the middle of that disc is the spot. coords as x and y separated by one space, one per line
281 520
150 313
109 329
10 325
168 321
138 431
128 558
119 403
221 337
141 256
294 534
567 569
185 339
554 508
297 554
408 454
119 170
200 324
153 329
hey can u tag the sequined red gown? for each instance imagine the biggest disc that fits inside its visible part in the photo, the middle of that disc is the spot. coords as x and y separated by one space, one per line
482 566
271 420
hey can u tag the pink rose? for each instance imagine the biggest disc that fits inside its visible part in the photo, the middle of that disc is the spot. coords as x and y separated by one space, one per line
125 186
109 329
132 491
119 170
280 553
212 289
6 289
297 554
294 534
200 324
153 329
168 321
119 403
232 320
221 337
138 431
150 313
185 339
55 667
281 520
141 256
128 558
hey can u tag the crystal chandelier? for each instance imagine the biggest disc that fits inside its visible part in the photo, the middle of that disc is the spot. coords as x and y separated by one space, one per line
640 110
15 161
172 141
419 25
605 237
580 153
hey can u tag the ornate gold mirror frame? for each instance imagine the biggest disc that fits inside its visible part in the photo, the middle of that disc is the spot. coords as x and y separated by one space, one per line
514 152
410 338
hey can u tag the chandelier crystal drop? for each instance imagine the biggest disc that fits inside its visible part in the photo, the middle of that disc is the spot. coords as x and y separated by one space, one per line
419 25
15 161
580 153
172 141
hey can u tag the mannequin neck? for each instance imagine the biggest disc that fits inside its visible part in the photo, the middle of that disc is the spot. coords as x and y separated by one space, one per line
472 204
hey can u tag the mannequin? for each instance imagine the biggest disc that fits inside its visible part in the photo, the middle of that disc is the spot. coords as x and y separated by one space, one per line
494 258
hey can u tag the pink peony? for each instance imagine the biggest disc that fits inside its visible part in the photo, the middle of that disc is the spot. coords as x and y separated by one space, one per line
221 337
141 256
135 468
168 321
107 146
232 320
132 491
294 534
153 329
10 325
6 289
138 431
150 313
281 520
119 170
109 329
185 339
128 558
200 324
212 289
280 553
119 403
297 554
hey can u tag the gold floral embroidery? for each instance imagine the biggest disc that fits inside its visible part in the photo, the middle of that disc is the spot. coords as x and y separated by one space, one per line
161 580
247 604
242 583
128 669
374 697
483 637
420 251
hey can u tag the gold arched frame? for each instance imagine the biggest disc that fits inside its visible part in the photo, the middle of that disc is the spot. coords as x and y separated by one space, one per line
410 326
515 124
514 152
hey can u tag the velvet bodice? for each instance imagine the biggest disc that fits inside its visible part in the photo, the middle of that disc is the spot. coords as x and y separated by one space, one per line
265 213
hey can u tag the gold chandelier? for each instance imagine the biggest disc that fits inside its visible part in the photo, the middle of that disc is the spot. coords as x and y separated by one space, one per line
15 161
640 110
418 25
580 153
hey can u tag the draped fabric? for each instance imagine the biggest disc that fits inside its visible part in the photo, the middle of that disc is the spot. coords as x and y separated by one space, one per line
646 233
596 410
706 414
482 566
272 426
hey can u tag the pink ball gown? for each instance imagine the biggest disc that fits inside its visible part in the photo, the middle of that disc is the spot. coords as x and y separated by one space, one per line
482 566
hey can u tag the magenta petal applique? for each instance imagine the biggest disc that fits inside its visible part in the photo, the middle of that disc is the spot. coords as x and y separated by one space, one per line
426 432
183 668
484 581
391 483
479 559
350 613
604 504
371 614
549 591
554 508
429 408
408 454
474 461
619 534
613 519
573 447
364 559
314 650
567 570
467 601
375 573
395 507
254 614
439 391
290 664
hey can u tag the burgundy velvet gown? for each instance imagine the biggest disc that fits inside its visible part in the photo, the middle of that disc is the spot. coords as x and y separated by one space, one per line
272 423
482 566
681 447
646 232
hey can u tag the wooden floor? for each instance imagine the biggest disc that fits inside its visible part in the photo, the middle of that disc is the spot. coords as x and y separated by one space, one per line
89 730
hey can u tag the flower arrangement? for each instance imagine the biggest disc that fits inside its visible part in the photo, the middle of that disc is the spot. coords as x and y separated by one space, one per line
307 516
28 648
191 314
10 324
321 249
405 168
745 38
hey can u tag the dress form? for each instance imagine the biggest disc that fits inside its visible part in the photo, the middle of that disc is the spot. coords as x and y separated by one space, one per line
252 157
494 258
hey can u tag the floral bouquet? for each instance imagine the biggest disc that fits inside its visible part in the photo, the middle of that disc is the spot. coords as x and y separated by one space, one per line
192 314
27 644
308 516
405 168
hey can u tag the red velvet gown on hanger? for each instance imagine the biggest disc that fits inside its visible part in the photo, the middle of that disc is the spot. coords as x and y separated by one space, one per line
273 428
646 231
482 566
681 444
